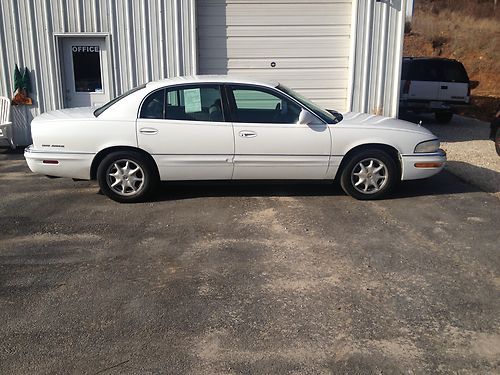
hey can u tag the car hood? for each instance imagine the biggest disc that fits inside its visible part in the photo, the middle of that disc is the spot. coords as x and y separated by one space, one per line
83 113
368 121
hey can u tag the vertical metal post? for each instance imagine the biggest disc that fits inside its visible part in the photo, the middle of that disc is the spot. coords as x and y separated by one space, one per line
55 92
367 57
194 38
352 56
162 27
382 60
177 38
129 27
146 41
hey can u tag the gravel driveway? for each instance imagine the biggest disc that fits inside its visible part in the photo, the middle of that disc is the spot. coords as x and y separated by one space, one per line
252 279
471 155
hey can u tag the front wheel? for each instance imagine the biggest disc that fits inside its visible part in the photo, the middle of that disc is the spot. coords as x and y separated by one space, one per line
369 174
126 177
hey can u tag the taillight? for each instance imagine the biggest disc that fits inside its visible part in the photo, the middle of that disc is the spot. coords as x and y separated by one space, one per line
406 86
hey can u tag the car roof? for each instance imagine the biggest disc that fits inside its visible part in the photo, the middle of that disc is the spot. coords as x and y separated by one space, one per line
209 79
429 59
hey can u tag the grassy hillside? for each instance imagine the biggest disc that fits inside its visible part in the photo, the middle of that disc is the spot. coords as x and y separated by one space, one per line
467 31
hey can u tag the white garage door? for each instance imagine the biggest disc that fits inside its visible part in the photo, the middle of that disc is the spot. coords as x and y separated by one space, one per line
302 44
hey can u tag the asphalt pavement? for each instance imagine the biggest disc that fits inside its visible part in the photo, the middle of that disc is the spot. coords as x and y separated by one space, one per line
247 278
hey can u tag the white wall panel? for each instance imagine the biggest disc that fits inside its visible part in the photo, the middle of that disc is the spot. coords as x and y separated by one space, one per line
308 40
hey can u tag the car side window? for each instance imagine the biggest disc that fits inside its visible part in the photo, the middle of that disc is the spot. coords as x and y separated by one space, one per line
259 105
194 103
454 72
153 106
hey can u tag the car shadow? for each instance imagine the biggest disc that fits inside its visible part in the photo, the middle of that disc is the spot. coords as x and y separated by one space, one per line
487 179
12 151
459 129
444 183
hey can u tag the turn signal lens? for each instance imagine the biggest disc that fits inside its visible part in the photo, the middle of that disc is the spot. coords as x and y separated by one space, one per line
428 165
428 146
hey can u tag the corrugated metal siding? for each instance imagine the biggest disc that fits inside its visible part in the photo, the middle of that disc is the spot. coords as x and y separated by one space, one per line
377 56
153 39
308 40
150 39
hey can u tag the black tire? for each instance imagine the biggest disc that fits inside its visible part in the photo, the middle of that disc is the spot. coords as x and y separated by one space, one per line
497 141
136 185
443 117
349 179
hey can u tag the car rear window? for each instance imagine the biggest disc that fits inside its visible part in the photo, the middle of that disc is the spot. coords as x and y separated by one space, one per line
434 70
100 110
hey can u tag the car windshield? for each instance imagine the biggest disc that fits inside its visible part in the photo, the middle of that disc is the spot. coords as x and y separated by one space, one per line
331 117
100 110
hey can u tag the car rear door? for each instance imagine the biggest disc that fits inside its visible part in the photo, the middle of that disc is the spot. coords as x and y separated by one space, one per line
454 85
424 85
185 130
269 143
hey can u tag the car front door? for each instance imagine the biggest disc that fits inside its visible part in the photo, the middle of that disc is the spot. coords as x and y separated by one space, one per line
269 142
184 129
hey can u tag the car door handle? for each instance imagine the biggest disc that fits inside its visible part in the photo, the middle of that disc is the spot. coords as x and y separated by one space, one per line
148 131
247 134
444 87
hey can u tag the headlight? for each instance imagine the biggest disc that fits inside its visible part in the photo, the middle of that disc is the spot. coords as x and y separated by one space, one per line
428 146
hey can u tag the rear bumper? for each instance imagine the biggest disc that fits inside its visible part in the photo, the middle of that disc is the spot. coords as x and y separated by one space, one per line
431 105
59 164
417 166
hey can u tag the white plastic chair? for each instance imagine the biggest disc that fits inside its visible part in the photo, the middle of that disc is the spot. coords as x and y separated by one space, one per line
5 123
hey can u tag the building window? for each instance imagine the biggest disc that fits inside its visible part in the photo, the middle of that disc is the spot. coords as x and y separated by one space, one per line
87 68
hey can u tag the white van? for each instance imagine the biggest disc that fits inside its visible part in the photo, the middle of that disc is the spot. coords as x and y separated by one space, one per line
434 85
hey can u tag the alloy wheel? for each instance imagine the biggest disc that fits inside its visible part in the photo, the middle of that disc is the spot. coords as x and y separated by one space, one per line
369 176
125 177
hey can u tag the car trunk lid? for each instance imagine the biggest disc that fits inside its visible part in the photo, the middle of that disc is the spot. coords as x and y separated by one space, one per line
83 113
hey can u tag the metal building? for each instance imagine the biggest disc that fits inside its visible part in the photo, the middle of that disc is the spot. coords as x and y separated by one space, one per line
344 54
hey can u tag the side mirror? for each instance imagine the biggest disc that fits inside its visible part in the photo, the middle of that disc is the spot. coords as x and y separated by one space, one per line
473 84
307 118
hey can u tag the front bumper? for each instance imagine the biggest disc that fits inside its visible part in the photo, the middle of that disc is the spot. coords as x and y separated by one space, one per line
417 166
59 164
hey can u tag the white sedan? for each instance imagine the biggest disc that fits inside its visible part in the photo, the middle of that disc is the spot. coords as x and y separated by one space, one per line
222 128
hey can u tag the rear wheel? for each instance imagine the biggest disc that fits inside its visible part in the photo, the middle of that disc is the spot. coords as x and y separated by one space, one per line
126 177
443 117
369 174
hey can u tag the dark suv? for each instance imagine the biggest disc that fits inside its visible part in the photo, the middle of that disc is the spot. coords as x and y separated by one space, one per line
434 85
